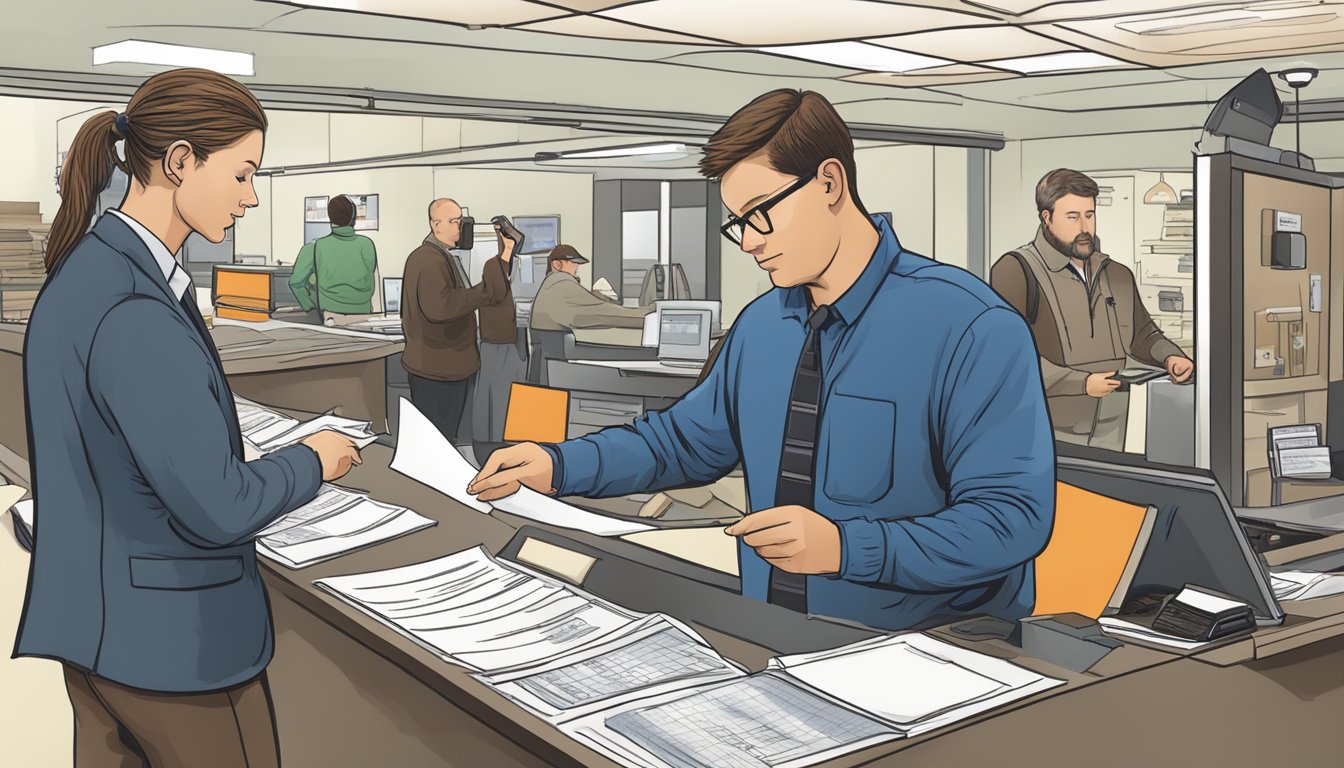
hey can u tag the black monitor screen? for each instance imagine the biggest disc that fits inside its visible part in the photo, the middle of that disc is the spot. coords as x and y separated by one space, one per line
542 233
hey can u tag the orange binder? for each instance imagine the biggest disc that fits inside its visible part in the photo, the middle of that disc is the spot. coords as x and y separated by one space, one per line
1093 552
242 294
536 414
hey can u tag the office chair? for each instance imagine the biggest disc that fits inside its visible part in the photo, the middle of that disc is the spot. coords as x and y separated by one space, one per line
546 346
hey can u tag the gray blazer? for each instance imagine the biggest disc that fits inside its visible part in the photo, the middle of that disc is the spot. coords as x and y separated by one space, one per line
144 570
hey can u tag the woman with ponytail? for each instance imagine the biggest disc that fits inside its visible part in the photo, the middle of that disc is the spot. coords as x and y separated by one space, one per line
144 580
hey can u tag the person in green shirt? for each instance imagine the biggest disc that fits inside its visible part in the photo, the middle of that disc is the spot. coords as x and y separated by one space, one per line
337 273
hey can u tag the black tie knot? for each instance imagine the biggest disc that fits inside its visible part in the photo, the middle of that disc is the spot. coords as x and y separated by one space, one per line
821 317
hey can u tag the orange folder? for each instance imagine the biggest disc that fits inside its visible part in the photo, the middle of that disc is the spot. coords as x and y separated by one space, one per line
536 414
1094 549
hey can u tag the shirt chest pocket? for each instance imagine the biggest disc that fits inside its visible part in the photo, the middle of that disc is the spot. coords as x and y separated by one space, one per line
860 442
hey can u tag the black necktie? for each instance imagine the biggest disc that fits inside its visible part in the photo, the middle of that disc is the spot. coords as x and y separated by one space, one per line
797 460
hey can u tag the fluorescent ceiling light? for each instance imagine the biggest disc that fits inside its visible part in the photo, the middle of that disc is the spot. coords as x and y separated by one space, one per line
854 55
595 154
1058 62
162 54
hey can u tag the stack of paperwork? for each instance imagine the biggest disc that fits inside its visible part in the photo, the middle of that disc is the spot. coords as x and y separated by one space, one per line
268 431
646 690
425 455
338 521
1306 585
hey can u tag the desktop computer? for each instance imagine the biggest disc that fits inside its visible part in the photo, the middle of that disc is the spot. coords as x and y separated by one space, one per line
683 337
653 322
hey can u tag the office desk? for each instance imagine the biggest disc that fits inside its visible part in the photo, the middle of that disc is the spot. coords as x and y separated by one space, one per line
606 393
287 365
350 692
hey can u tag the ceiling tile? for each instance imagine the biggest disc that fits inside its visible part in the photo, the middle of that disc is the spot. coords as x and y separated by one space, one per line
1188 36
595 26
472 12
589 6
771 22
1059 10
952 74
975 44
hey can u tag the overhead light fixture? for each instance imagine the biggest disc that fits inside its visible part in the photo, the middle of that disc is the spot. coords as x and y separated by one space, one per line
855 55
641 150
1057 62
1161 193
165 55
1298 78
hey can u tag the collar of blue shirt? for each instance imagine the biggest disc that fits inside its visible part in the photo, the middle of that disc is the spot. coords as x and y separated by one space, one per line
793 301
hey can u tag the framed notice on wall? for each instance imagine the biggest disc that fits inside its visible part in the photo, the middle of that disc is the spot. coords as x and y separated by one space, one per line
315 210
366 211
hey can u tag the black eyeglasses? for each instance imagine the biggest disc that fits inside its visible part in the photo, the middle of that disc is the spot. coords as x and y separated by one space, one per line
759 217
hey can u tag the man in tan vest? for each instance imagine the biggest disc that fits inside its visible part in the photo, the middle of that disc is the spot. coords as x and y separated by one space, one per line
1085 314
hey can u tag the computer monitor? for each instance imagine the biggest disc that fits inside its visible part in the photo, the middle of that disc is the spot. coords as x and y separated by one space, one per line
391 295
715 309
1196 539
540 233
683 337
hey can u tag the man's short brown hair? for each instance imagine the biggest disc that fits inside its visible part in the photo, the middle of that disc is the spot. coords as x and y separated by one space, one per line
341 211
798 129
1061 182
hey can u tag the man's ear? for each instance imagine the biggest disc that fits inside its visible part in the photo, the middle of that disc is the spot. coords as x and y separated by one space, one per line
831 174
1045 217
176 160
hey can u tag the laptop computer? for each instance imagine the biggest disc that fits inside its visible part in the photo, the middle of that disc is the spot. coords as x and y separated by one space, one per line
683 337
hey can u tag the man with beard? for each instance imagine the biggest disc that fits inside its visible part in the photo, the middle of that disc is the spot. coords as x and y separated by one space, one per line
1085 314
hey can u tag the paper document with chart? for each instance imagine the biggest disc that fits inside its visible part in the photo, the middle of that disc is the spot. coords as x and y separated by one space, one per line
425 455
809 708
650 656
335 523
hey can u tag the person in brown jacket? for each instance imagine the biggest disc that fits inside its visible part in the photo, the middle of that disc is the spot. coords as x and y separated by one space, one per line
502 359
438 316
1086 317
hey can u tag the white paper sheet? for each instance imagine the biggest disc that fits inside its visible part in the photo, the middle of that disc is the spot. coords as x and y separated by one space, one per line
544 509
423 454
915 682
1206 602
1122 628
360 432
428 603
1306 585
335 523
24 509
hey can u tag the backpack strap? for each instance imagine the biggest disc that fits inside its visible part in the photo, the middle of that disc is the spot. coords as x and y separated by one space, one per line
1033 287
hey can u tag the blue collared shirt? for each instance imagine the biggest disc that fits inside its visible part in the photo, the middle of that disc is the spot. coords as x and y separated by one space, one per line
935 456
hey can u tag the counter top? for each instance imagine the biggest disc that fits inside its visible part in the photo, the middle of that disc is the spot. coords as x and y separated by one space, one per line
269 346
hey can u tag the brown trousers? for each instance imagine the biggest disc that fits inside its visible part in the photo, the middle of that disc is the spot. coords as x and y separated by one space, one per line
123 727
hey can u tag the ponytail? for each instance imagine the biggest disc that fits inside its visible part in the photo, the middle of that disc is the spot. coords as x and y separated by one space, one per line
203 108
85 173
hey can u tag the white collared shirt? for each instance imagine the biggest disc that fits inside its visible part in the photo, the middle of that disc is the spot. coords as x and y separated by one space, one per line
178 279
1082 272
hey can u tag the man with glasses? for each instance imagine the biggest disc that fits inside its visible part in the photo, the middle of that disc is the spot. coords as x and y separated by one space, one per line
888 410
